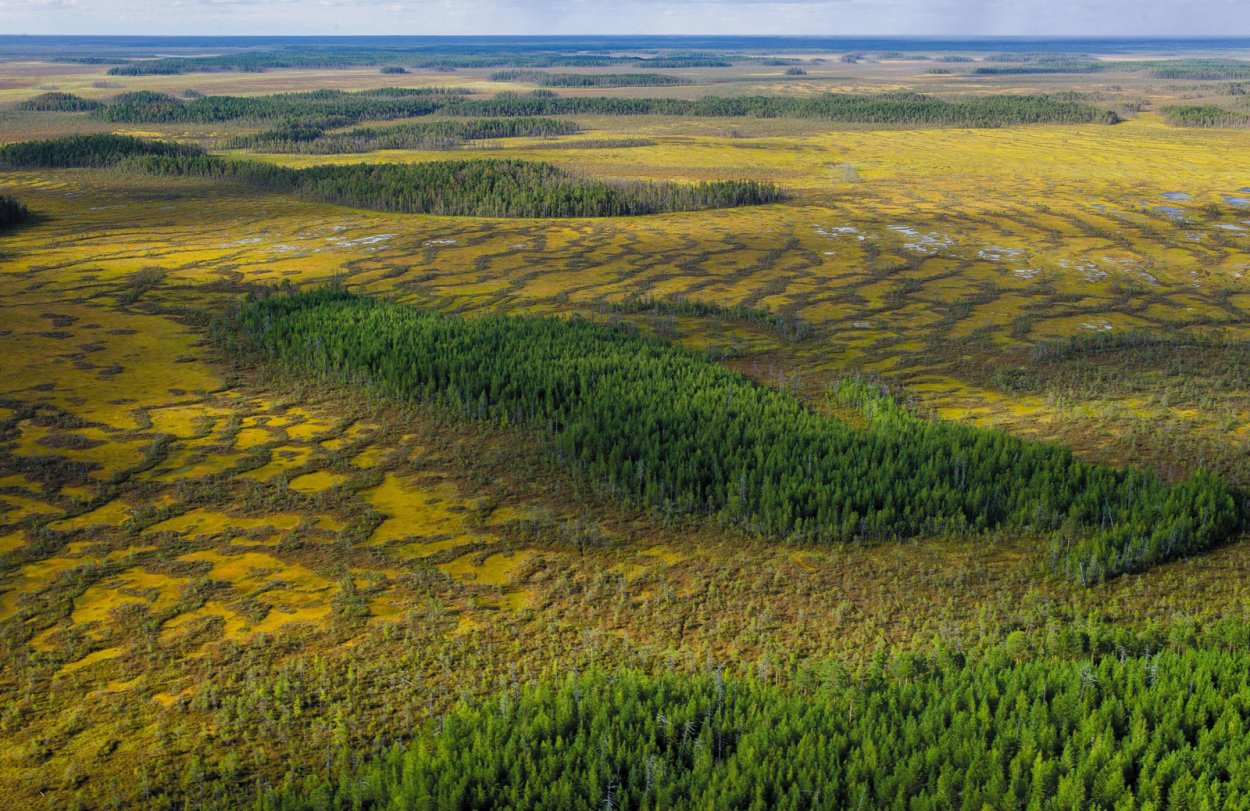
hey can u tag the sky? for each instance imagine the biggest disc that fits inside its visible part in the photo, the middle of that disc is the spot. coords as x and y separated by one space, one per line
1166 18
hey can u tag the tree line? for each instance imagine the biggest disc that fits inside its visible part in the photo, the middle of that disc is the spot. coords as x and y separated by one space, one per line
57 102
470 188
1139 730
336 108
294 137
1181 69
12 211
89 151
663 428
328 107
544 79
880 108
1205 115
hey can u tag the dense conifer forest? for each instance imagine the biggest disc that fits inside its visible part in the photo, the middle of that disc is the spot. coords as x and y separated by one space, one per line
1204 115
12 211
336 108
310 139
57 102
471 188
1141 729
664 428
327 107
89 151
545 79
881 108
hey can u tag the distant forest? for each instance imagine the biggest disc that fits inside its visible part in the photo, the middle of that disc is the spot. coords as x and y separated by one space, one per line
544 79
328 108
311 139
333 108
473 188
1205 115
254 62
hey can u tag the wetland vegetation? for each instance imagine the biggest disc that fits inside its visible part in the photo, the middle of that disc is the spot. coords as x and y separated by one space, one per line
354 452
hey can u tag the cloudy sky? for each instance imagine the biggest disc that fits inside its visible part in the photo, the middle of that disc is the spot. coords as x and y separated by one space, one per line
829 17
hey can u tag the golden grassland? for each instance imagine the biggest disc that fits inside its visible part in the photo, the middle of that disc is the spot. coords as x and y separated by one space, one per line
214 570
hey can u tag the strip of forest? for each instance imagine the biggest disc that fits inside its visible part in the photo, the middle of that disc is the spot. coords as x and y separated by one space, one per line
306 58
666 429
545 79
313 140
332 108
1134 730
466 188
1206 116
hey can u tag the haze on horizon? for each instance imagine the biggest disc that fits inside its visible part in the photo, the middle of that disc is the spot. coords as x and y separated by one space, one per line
1102 18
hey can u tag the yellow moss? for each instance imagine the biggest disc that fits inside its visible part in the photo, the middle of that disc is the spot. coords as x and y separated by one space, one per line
494 570
90 659
234 626
32 578
12 541
113 514
415 510
664 553
202 522
311 483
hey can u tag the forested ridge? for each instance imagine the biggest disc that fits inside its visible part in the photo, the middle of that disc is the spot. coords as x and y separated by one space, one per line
473 188
309 139
1138 730
667 429
336 108
57 102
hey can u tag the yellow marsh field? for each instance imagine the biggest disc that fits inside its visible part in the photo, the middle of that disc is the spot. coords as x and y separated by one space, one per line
172 526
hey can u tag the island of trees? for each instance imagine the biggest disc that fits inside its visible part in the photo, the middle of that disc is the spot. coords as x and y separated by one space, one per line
311 139
474 188
666 429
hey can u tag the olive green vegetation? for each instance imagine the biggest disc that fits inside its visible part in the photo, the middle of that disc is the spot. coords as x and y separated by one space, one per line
1144 729
661 427
477 188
